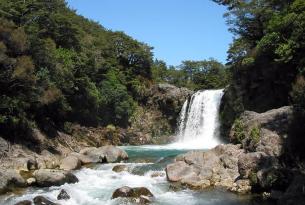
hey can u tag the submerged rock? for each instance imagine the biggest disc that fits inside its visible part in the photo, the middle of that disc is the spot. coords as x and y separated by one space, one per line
50 177
25 202
120 168
128 192
63 195
40 200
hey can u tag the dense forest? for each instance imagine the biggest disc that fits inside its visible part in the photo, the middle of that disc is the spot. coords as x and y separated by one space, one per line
266 59
59 68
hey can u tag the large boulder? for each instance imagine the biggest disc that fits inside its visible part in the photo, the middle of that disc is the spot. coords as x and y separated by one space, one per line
9 180
197 169
105 154
50 177
70 163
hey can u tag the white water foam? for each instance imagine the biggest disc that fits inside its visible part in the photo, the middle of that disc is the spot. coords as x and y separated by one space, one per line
199 123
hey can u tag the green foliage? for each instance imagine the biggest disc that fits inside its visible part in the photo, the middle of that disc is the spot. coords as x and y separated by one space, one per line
255 135
58 68
195 75
239 131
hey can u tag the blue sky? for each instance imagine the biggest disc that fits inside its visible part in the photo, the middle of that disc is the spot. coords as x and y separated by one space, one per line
177 29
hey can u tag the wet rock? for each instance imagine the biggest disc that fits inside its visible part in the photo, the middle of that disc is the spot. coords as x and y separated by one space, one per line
157 174
40 200
120 168
105 154
50 177
70 163
63 195
25 202
129 192
10 179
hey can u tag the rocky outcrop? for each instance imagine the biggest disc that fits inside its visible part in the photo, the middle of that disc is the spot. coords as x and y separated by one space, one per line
52 177
156 120
25 202
105 154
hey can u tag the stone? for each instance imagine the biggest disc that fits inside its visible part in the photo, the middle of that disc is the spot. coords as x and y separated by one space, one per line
157 174
63 195
120 168
50 177
25 202
70 163
40 200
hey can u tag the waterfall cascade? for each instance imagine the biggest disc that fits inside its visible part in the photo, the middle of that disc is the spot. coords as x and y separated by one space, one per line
198 122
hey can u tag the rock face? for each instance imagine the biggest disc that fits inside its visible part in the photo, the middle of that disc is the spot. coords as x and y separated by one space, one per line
50 177
105 154
70 163
10 179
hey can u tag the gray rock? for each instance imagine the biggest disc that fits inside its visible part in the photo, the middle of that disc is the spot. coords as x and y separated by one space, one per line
63 195
248 163
105 154
178 170
50 177
70 163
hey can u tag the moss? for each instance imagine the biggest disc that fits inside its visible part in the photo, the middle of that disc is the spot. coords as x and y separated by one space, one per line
239 131
255 134
253 178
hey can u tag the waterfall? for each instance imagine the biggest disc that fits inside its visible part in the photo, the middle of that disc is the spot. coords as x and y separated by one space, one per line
198 122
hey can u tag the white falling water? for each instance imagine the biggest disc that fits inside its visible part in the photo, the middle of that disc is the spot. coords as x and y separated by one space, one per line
198 123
